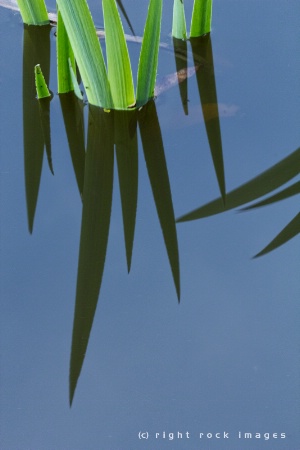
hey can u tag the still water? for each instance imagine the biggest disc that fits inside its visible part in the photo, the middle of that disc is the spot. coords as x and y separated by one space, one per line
157 375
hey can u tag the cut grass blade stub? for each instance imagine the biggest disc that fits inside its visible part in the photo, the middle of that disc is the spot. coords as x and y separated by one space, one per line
179 23
40 83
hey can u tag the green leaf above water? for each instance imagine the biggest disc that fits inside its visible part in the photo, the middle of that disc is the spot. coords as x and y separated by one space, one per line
118 62
88 54
179 23
201 18
33 12
149 54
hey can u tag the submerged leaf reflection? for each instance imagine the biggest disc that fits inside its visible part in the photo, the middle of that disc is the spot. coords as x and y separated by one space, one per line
97 199
266 182
36 49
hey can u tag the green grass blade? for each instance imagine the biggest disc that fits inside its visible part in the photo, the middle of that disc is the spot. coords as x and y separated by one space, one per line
97 199
86 47
42 90
127 158
179 23
118 62
33 12
65 58
264 183
201 18
75 84
288 233
149 54
282 195
202 49
159 179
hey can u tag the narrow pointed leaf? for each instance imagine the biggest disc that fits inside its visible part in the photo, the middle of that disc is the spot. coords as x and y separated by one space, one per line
75 84
290 231
179 23
33 12
72 109
42 90
88 54
201 18
149 54
261 185
282 195
44 106
181 57
159 179
36 48
202 50
97 198
65 58
127 158
123 10
118 62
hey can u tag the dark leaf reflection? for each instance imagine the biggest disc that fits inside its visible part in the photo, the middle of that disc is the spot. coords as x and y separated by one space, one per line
36 50
263 184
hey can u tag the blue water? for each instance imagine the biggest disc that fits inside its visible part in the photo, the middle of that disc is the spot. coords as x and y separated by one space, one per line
226 360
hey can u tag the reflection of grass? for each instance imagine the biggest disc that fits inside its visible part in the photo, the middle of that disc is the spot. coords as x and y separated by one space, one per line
106 130
263 184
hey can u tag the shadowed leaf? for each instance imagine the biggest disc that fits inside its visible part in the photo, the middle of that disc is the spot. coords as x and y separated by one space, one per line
290 231
36 49
44 106
202 49
159 179
181 57
127 158
97 198
282 195
72 109
261 185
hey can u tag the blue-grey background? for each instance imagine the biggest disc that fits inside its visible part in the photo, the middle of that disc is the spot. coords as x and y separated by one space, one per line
227 358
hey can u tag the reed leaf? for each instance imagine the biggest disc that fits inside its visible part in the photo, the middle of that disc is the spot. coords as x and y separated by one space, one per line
201 18
65 58
159 180
88 54
149 54
179 23
264 183
118 62
33 12
42 90
288 233
282 195
125 124
97 199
